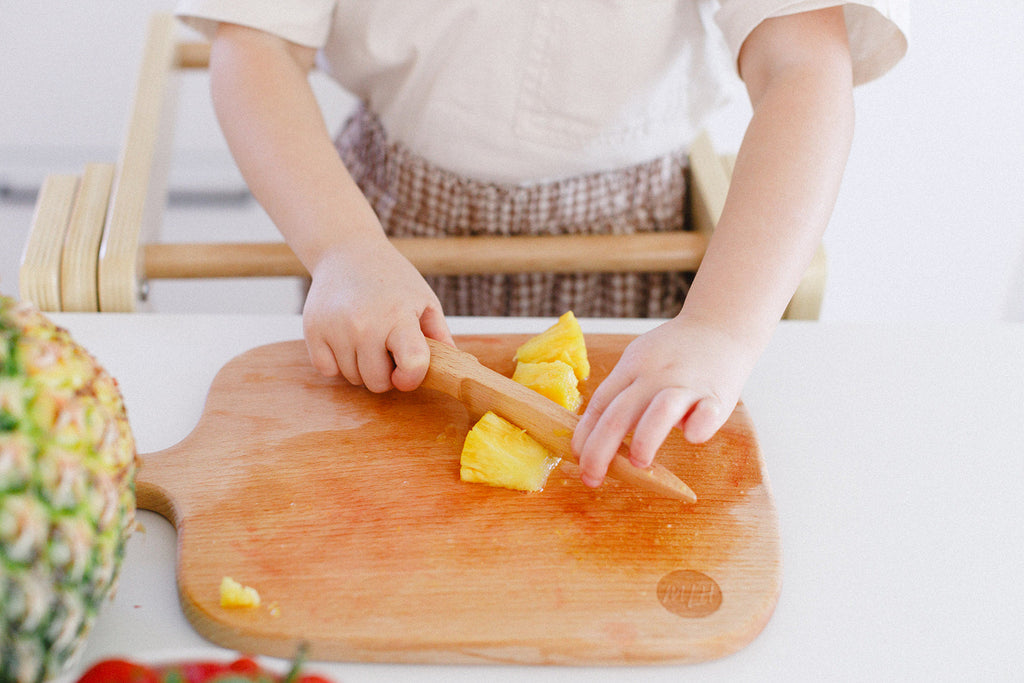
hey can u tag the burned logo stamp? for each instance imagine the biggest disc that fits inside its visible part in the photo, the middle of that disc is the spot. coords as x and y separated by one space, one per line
689 593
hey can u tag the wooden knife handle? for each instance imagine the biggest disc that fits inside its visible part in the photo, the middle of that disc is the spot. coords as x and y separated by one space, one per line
462 376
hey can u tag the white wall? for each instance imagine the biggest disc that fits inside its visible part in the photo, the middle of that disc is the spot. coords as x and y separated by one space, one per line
66 78
929 224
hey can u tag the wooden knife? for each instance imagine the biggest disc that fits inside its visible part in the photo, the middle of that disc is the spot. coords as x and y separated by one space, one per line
462 376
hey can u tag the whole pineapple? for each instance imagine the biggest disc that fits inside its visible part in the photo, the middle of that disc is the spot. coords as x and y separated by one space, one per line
67 492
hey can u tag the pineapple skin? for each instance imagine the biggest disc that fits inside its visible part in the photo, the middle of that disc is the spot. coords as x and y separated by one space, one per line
562 341
498 453
67 493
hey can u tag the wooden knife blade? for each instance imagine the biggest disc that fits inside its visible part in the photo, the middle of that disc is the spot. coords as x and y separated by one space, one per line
460 375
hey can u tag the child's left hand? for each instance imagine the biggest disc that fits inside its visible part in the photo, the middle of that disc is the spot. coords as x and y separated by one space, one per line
684 374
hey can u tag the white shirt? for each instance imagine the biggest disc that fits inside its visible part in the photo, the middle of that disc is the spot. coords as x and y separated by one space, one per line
541 89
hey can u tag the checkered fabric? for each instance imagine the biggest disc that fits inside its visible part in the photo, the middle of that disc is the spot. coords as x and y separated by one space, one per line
415 198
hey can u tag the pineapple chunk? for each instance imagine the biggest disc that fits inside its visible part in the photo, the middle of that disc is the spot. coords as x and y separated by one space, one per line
498 453
234 594
554 379
562 341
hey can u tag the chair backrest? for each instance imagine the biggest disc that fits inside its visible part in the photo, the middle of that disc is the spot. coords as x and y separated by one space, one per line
89 249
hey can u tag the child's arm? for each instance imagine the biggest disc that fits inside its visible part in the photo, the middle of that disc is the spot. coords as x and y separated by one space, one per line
368 308
689 371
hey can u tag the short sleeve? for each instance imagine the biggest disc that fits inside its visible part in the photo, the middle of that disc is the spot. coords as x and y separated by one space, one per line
305 22
878 29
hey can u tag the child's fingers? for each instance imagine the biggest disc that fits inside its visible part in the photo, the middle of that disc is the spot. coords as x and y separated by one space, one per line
603 441
409 347
322 357
333 359
329 361
665 411
435 326
411 355
375 366
605 393
704 420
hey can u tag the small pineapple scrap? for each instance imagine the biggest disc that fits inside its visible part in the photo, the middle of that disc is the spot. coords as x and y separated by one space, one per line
562 341
498 453
234 594
554 379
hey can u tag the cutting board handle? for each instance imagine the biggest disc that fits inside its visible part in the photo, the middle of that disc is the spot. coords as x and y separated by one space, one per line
154 485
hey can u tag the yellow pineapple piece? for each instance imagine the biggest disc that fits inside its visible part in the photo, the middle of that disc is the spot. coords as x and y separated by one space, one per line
562 341
554 379
498 453
234 594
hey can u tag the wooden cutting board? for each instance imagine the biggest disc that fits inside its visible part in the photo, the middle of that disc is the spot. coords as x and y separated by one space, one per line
344 509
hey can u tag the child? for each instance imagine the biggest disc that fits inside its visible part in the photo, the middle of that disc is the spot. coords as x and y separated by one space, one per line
534 116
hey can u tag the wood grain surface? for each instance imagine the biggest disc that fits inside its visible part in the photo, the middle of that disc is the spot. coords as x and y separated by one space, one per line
344 509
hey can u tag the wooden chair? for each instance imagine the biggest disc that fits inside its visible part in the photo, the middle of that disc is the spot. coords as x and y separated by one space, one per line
91 245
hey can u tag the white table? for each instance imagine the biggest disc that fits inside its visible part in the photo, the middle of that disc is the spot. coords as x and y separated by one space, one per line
896 456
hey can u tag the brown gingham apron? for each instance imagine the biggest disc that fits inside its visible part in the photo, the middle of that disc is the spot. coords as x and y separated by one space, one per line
412 197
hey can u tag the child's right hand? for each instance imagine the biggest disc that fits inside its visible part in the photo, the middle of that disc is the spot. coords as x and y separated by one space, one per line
368 309
366 316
